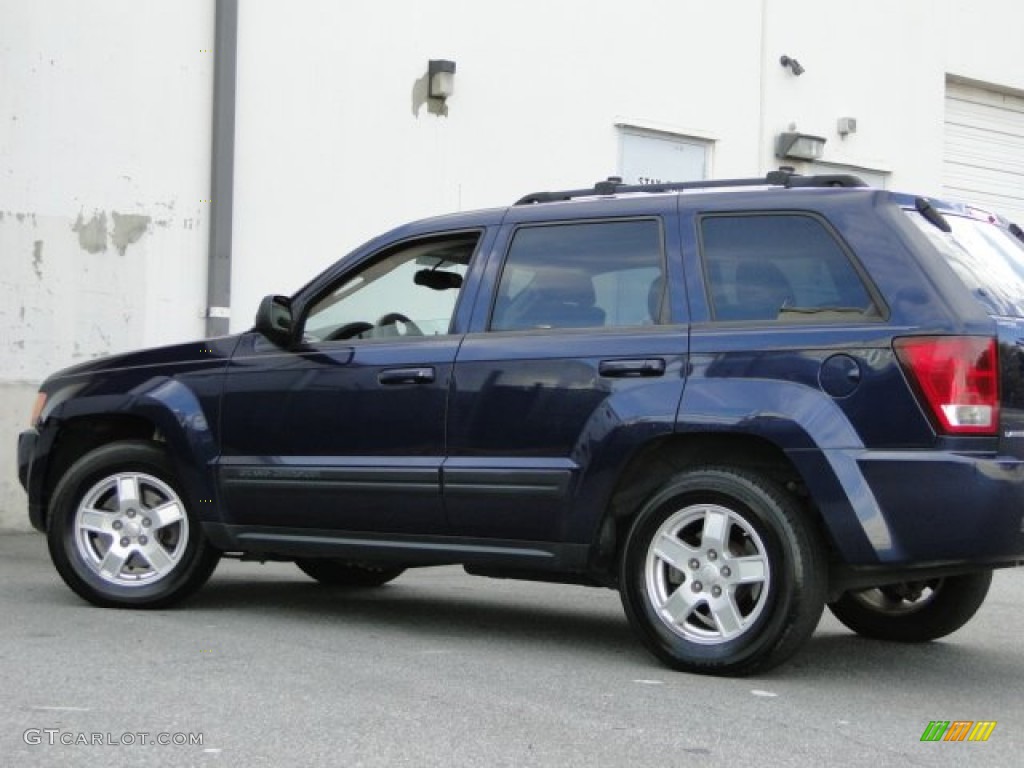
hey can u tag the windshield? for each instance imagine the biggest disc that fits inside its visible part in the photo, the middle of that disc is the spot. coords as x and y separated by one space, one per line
987 258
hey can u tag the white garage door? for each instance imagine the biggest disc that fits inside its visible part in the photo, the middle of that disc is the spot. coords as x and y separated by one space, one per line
984 150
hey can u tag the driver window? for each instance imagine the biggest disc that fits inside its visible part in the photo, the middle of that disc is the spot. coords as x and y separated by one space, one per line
409 291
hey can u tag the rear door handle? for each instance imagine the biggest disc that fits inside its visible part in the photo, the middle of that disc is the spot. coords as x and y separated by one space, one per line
620 369
406 376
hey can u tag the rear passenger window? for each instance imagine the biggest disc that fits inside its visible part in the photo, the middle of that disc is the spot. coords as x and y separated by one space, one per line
601 274
780 267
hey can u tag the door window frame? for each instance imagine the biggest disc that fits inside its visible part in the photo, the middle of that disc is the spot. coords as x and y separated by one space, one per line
508 239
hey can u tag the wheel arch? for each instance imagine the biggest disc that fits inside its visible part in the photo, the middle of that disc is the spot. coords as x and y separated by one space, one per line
167 413
657 461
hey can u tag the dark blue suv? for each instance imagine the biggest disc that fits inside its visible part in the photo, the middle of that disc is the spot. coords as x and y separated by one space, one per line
733 401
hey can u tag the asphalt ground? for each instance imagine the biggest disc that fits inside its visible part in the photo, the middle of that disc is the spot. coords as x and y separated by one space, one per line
265 667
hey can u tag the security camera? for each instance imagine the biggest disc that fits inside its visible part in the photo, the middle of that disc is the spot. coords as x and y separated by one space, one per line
793 64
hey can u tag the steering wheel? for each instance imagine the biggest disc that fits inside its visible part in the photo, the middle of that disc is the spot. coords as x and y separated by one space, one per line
348 330
393 318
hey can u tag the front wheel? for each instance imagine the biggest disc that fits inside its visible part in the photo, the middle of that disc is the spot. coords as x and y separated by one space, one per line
913 611
721 574
120 532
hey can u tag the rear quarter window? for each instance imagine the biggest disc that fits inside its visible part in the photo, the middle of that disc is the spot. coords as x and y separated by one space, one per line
780 268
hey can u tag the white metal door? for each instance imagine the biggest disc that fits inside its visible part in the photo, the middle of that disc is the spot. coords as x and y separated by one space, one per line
648 157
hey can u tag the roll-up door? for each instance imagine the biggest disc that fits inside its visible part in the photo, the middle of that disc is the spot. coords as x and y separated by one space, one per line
983 159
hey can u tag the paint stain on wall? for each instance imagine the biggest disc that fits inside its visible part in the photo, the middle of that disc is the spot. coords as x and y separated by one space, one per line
128 228
37 258
92 234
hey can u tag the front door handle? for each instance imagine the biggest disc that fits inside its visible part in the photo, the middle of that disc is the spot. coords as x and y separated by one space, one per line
621 369
406 376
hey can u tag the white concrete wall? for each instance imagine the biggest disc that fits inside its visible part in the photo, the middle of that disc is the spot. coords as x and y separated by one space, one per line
105 113
885 63
335 145
104 159
875 60
982 41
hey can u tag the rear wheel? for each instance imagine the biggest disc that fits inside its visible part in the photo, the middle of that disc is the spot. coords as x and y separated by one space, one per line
120 532
913 611
721 574
342 573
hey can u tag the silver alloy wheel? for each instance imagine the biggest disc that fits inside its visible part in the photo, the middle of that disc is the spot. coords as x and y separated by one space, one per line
899 599
131 529
707 574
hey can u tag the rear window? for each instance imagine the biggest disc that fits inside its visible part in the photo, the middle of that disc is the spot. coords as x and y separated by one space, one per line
582 275
986 258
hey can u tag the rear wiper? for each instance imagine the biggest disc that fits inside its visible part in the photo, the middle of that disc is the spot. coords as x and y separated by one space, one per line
1017 232
927 210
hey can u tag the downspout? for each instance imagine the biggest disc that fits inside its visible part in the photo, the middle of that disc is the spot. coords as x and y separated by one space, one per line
222 174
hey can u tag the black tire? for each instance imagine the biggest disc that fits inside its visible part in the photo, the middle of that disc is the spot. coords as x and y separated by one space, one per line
341 573
120 532
722 624
913 612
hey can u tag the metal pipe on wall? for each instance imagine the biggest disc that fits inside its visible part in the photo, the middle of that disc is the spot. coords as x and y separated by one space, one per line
222 164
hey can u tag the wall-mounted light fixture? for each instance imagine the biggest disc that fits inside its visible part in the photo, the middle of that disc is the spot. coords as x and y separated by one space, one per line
440 78
846 125
800 146
794 65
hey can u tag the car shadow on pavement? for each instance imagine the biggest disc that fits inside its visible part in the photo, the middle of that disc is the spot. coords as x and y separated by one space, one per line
449 606
591 624
585 620
927 668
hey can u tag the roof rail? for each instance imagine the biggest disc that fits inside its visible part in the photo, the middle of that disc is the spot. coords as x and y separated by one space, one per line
614 186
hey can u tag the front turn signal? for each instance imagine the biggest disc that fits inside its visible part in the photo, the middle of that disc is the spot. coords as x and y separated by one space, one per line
37 409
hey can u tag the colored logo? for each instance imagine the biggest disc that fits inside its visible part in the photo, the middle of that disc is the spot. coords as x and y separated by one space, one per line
958 730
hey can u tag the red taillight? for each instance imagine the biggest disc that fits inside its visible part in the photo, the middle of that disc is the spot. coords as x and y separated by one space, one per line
958 378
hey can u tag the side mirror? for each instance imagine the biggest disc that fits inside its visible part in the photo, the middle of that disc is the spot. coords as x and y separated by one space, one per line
274 318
